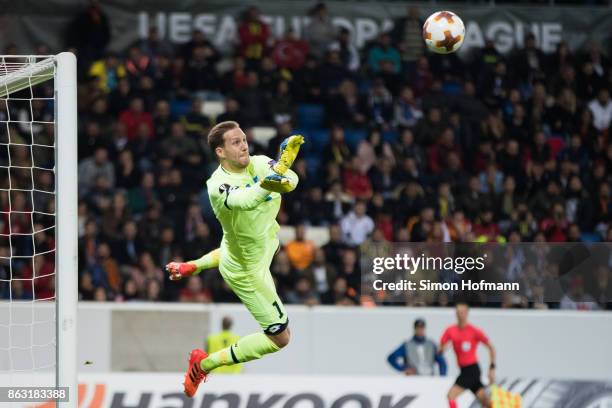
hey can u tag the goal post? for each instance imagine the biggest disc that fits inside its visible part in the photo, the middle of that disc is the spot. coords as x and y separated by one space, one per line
66 230
39 222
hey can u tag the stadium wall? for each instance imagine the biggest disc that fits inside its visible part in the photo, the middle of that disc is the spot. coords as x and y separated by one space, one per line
31 22
342 341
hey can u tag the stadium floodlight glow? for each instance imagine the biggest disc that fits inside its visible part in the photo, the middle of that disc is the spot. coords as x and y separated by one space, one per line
38 141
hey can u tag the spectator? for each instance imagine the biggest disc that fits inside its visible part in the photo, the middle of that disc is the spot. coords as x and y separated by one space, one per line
269 76
313 209
93 168
334 248
283 274
138 65
91 140
320 273
356 181
195 123
303 293
406 110
407 37
530 61
321 31
349 56
340 294
119 98
252 101
373 148
349 270
128 247
254 36
108 71
347 108
281 104
337 151
200 72
383 51
178 146
356 225
310 79
232 111
154 46
134 116
601 108
380 105
162 119
89 32
300 251
332 74
419 355
577 299
153 291
194 292
439 153
115 216
105 270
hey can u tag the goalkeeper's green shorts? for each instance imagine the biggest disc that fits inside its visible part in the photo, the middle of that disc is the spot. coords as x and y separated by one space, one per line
257 292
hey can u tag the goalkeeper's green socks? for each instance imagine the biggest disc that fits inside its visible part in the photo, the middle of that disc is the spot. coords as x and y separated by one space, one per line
248 348
210 260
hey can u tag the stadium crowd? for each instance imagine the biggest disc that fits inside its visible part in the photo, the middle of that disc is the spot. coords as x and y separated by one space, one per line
402 146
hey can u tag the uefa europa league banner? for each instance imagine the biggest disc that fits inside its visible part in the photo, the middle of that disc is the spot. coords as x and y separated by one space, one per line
30 22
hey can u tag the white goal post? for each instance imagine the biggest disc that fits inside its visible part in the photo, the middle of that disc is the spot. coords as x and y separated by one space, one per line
18 73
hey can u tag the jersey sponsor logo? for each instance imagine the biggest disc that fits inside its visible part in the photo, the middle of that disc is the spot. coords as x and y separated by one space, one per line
466 346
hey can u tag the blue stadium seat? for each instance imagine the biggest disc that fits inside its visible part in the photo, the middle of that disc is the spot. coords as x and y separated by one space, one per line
451 88
179 107
353 137
316 140
590 237
313 164
310 116
390 136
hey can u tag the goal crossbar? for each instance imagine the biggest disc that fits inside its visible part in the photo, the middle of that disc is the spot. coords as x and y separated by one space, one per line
15 77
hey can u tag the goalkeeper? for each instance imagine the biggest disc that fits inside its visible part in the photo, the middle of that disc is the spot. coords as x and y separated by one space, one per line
245 193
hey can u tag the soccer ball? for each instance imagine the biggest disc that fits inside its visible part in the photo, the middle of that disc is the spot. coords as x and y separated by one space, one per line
443 32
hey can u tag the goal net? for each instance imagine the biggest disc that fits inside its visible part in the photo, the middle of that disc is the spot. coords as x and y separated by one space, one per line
38 226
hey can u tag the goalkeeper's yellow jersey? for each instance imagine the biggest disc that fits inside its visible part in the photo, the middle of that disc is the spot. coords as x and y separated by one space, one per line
247 214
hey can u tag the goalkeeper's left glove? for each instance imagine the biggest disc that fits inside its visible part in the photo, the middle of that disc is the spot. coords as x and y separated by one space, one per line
289 150
179 270
277 183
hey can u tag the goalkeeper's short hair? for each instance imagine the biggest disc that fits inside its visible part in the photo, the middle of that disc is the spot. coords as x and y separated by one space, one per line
215 136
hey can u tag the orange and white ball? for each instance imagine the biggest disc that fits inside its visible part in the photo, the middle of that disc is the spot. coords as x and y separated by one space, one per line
443 32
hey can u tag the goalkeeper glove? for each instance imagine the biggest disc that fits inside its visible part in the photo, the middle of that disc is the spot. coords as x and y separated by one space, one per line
289 150
178 270
277 183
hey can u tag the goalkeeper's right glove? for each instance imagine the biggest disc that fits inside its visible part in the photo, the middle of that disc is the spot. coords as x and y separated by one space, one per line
277 183
178 270
289 150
